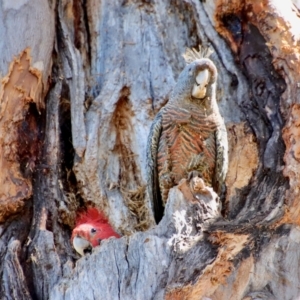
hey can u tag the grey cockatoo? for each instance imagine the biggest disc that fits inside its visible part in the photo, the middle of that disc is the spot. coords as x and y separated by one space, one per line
188 134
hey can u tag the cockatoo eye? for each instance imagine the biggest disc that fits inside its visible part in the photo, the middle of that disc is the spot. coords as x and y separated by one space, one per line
93 230
200 83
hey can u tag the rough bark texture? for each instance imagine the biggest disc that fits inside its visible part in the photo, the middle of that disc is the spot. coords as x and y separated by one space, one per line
81 83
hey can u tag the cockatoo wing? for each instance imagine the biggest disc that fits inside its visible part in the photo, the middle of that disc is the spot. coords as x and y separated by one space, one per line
153 184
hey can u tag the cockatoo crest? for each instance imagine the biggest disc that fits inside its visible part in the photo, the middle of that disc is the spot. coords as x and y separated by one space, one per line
191 55
92 216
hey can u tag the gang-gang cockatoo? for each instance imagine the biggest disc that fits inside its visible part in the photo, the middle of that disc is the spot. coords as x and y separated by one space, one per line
188 135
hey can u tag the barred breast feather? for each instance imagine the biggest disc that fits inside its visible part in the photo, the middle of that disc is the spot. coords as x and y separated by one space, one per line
187 143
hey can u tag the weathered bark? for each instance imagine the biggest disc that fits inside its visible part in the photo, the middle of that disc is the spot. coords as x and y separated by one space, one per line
78 94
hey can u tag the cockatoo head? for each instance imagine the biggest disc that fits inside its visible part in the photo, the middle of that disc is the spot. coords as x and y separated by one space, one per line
91 228
197 82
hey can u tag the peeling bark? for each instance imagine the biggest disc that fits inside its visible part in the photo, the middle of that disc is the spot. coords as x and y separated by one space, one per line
78 94
20 89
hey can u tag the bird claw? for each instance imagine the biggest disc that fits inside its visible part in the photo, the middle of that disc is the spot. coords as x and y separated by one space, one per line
198 186
167 181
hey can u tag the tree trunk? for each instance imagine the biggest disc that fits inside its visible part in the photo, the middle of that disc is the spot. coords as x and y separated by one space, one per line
81 84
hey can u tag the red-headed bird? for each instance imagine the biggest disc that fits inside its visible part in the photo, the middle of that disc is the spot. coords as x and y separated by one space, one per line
91 228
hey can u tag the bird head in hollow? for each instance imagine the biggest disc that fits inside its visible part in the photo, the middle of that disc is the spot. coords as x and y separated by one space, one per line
91 228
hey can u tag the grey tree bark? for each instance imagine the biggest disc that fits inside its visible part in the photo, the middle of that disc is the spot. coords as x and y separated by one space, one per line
81 83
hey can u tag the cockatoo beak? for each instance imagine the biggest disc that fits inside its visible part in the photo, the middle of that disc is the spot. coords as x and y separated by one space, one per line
81 245
199 88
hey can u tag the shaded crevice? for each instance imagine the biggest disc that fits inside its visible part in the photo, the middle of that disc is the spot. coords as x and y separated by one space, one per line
262 113
82 38
53 207
87 28
67 151
238 201
234 25
119 276
16 229
31 135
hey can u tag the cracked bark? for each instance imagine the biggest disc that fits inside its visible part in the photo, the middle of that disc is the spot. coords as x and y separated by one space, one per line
77 100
